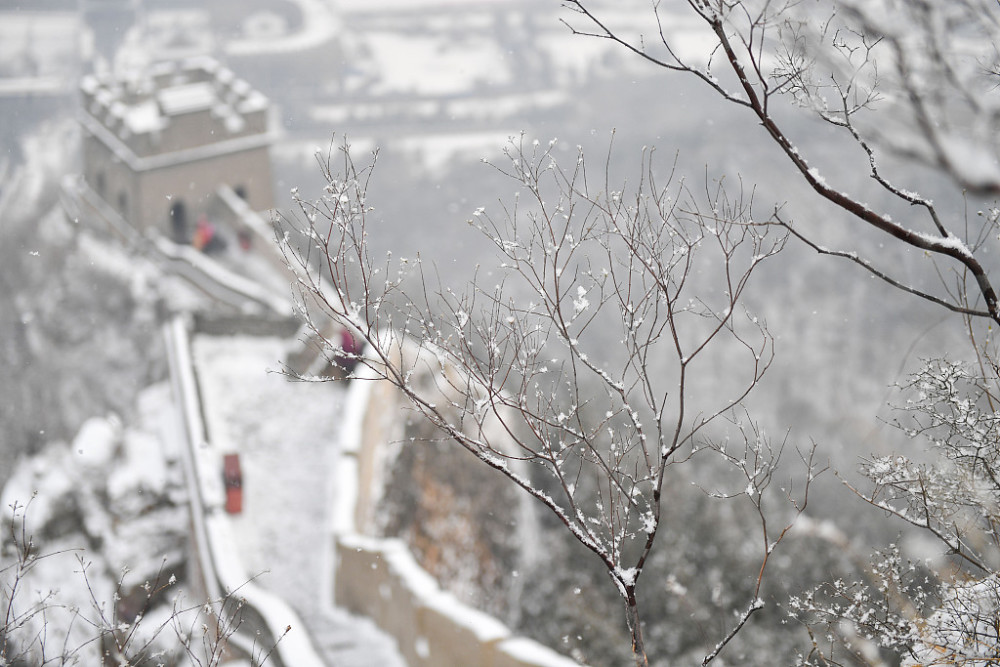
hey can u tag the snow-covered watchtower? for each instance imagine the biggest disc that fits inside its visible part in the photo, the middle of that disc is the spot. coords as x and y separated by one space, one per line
157 145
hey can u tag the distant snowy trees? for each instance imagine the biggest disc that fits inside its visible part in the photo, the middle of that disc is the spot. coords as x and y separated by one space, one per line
583 345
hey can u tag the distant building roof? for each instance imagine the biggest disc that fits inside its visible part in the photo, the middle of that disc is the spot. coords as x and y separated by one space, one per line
173 111
144 117
186 98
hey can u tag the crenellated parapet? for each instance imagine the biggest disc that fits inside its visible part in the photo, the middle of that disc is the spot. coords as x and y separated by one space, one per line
159 142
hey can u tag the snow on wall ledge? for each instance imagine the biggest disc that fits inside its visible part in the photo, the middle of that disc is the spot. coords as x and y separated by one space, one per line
379 578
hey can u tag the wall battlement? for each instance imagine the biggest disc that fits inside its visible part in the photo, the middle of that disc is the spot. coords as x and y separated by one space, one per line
175 106
158 143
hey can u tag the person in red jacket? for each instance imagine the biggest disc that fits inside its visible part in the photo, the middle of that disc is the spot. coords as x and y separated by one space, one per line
350 349
204 232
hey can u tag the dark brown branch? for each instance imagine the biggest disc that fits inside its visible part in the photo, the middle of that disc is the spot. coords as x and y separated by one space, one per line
881 275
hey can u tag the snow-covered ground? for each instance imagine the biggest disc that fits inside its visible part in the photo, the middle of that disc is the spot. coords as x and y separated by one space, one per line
287 435
105 513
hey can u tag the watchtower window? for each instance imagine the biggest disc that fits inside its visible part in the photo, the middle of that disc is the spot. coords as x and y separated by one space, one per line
100 183
123 204
179 223
241 192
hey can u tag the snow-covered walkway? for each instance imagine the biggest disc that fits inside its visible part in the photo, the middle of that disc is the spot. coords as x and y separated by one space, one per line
287 435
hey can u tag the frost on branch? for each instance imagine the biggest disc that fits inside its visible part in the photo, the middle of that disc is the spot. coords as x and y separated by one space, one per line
910 79
930 69
936 613
574 370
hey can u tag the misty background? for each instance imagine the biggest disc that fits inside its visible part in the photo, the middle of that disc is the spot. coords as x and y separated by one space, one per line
439 87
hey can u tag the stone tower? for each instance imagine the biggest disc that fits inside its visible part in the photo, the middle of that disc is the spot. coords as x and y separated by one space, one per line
157 145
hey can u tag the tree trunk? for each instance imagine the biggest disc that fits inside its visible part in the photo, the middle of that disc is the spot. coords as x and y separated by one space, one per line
635 626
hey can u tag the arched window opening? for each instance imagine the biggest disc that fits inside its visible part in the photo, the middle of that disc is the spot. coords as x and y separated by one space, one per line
179 231
123 204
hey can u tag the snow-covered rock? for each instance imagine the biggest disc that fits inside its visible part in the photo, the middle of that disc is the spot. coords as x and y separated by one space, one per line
46 484
95 444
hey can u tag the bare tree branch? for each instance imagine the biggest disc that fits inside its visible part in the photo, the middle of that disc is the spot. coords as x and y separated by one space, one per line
576 359
747 33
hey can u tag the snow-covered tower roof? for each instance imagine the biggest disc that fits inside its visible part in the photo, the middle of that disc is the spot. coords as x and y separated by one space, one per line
159 142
